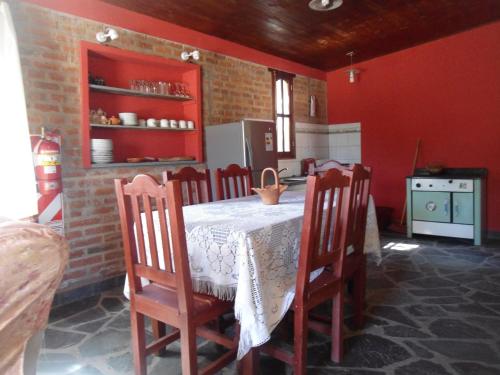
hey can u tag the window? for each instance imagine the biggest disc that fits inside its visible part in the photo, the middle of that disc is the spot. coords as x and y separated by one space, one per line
283 113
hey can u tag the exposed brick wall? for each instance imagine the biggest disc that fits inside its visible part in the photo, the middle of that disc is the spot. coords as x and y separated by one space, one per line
49 48
303 88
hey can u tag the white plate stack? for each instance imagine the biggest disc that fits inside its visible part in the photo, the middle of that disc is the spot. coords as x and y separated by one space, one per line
101 150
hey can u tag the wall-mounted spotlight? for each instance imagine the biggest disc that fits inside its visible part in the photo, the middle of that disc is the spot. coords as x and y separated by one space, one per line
194 54
107 35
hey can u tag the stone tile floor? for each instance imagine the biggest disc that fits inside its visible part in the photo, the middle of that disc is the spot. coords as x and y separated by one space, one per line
433 308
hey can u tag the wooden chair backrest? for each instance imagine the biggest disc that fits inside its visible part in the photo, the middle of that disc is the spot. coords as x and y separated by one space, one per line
135 205
233 178
326 219
360 186
322 168
192 182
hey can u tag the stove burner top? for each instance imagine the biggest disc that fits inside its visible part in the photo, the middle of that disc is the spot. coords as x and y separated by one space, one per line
453 173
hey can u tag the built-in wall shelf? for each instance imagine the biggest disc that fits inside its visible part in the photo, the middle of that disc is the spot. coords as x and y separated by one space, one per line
117 67
129 92
121 127
143 164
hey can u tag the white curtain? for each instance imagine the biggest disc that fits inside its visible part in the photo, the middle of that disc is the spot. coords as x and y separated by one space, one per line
18 197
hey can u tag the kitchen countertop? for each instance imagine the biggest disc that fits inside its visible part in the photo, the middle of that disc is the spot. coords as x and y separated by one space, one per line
293 180
452 173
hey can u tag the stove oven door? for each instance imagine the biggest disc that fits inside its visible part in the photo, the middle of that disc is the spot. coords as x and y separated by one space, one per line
431 206
463 208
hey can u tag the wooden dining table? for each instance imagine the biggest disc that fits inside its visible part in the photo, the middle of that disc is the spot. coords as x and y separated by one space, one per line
245 251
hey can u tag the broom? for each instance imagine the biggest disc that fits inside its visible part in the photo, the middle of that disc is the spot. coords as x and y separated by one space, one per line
401 227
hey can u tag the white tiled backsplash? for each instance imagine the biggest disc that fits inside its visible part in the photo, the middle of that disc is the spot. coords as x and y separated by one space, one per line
341 142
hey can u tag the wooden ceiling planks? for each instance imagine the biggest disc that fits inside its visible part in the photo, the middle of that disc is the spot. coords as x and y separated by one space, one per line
289 29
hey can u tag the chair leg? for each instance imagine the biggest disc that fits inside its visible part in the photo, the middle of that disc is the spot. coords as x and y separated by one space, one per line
300 341
138 342
219 324
359 296
159 330
337 349
284 330
188 350
249 364
290 324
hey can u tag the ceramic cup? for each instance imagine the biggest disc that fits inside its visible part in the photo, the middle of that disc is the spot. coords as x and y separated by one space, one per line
173 123
164 123
152 123
142 122
190 124
182 124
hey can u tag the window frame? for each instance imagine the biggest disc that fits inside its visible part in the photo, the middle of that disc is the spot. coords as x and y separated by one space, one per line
288 77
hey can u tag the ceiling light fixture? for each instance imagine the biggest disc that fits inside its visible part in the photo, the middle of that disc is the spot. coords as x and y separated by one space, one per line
324 5
352 72
107 35
186 55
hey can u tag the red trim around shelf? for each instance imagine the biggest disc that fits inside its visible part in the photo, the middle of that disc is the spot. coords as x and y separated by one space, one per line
118 66
84 92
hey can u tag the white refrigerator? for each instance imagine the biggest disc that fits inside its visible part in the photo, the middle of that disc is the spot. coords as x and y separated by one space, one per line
246 143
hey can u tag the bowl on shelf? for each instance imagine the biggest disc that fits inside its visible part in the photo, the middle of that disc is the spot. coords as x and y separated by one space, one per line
434 168
128 118
101 150
99 144
152 123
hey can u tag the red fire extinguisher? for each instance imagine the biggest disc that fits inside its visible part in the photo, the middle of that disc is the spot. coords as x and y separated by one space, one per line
47 165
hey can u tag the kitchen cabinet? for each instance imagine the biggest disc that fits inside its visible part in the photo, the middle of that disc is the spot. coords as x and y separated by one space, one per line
463 208
117 67
431 206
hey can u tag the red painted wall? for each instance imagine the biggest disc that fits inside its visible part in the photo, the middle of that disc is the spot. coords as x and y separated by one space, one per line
447 93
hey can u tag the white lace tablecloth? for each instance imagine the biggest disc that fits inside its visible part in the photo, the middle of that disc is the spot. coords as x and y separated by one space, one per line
244 250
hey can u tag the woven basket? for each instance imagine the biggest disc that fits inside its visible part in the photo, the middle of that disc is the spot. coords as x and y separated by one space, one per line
270 194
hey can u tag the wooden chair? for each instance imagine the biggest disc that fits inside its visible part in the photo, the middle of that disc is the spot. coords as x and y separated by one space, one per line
322 168
190 195
355 262
241 182
192 181
170 297
324 233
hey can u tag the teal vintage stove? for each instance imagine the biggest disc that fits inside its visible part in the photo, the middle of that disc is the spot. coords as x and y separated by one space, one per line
450 204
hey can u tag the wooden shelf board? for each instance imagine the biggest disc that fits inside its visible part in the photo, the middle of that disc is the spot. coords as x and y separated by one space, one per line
143 164
129 92
118 127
